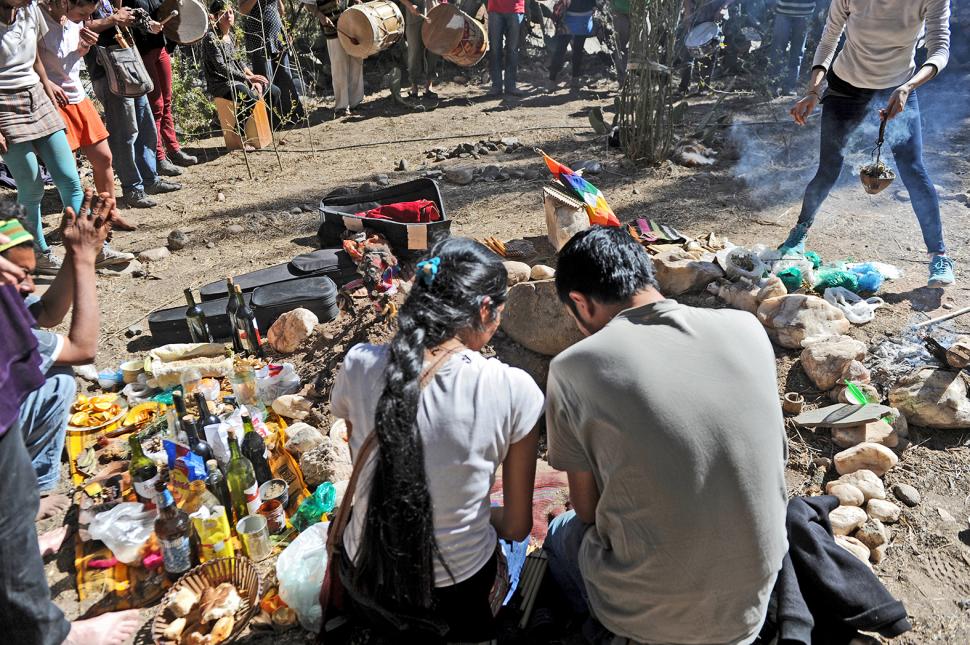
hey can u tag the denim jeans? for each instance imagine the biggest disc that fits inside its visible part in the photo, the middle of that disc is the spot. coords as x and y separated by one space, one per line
789 33
504 25
27 615
132 138
43 424
841 115
560 43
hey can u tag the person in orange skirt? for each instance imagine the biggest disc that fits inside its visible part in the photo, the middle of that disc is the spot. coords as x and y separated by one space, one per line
62 49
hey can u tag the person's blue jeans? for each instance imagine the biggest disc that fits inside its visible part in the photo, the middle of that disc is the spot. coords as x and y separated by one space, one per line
132 138
43 424
789 33
504 25
27 615
22 160
841 115
562 544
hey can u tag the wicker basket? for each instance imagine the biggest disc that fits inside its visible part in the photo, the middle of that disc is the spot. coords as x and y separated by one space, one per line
239 571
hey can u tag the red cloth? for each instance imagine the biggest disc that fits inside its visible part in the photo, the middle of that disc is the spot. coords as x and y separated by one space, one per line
549 497
506 6
421 211
159 66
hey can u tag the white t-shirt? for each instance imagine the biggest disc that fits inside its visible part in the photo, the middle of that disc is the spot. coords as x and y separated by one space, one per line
18 48
469 414
62 61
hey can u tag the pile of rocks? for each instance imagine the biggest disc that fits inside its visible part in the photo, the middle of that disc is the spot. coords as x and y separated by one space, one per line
861 522
474 150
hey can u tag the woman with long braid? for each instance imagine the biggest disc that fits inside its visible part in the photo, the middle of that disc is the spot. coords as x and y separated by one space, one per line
419 553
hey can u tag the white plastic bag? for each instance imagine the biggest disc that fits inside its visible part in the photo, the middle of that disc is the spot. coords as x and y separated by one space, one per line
300 570
742 263
124 529
856 310
270 388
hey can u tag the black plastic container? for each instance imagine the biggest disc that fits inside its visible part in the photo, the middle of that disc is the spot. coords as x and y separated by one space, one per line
333 262
169 325
316 293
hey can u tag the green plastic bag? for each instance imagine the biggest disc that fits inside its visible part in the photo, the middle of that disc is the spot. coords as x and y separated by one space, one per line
313 508
814 258
828 278
791 278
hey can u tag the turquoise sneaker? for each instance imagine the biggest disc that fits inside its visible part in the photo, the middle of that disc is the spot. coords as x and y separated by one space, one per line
941 272
795 242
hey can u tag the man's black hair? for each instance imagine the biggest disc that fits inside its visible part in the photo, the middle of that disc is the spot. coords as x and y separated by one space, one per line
603 263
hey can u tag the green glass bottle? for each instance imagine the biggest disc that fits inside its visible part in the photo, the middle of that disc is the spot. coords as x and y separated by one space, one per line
144 472
243 490
254 449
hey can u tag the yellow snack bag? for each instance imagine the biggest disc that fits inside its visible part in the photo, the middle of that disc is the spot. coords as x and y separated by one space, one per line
215 536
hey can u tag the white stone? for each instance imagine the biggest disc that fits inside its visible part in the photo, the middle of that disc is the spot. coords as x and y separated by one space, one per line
866 456
292 406
536 319
542 272
301 438
680 272
872 533
745 295
291 329
933 398
518 271
876 432
324 464
791 320
853 546
825 359
847 494
883 510
154 255
867 482
846 519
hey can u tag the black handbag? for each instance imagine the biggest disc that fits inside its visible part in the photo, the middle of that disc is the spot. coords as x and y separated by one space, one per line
126 72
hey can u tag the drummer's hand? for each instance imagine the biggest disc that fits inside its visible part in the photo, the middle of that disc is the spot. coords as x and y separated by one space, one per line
257 86
154 26
123 17
804 108
413 9
897 101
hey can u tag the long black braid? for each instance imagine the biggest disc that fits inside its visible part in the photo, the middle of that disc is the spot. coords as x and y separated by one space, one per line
395 562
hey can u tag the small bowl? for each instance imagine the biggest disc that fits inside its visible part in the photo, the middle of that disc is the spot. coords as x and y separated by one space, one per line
131 369
267 491
793 403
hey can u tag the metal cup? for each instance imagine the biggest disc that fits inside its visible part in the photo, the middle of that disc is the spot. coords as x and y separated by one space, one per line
254 533
272 510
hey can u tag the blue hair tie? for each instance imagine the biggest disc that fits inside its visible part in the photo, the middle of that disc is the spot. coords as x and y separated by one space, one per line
428 270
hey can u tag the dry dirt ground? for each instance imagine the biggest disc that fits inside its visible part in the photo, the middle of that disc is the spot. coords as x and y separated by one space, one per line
751 195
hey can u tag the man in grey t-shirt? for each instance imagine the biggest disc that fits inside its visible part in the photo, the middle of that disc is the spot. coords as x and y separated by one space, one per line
667 422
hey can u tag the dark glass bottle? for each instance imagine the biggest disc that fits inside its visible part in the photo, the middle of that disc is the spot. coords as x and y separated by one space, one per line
206 416
247 328
216 483
144 472
195 318
231 308
172 528
198 446
254 448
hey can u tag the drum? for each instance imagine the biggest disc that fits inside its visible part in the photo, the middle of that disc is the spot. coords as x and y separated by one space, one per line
188 25
703 39
369 28
454 35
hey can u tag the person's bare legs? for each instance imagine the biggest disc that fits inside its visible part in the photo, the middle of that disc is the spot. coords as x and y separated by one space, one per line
114 628
99 155
52 505
51 541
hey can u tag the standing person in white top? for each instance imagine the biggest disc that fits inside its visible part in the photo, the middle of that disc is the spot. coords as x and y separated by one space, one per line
62 49
420 550
876 66
346 71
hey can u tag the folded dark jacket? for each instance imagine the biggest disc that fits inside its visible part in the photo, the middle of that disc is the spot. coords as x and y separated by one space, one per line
824 594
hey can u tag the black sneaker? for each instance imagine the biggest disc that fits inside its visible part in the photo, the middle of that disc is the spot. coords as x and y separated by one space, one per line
182 159
167 169
138 200
162 186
